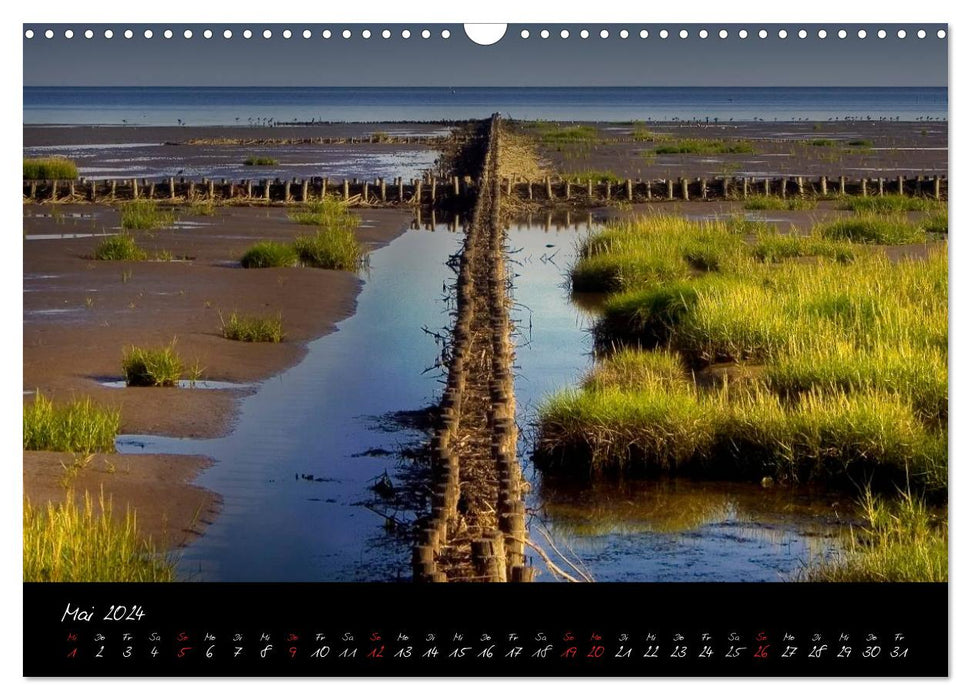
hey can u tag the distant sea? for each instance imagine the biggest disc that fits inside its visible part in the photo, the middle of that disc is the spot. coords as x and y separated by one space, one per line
221 106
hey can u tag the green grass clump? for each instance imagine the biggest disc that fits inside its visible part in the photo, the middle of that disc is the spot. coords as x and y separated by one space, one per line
776 247
79 426
269 254
860 143
902 541
50 169
705 147
260 160
120 247
144 214
873 228
822 142
252 329
334 249
936 223
552 133
72 543
765 203
888 204
839 359
329 213
161 366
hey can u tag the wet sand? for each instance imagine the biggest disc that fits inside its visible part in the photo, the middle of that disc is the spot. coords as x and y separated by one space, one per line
780 148
79 315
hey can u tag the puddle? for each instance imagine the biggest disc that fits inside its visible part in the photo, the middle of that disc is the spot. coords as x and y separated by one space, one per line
64 236
205 384
343 414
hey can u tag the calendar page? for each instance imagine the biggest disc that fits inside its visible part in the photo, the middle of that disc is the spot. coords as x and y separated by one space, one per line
381 349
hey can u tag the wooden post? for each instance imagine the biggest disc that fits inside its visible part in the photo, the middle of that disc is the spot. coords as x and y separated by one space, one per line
54 191
863 186
151 190
879 186
172 188
566 190
684 189
744 188
401 189
93 189
529 189
384 192
630 190
590 189
842 185
768 188
70 189
286 191
607 190
670 186
549 188
900 185
418 194
305 191
347 189
704 188
647 190
249 189
508 186
364 191
783 185
434 184
919 186
113 189
799 185
937 187
134 188
726 192
822 185
266 190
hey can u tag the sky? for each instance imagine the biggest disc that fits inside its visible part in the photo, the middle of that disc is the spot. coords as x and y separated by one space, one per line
458 61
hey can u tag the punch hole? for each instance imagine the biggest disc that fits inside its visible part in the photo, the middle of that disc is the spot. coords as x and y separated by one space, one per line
488 34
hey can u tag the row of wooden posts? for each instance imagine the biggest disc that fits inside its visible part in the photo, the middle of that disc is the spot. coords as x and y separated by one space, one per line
445 191
482 328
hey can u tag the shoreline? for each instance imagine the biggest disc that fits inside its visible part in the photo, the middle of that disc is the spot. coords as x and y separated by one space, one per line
79 314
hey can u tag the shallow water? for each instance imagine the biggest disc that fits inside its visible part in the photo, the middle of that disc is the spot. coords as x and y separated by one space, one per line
295 472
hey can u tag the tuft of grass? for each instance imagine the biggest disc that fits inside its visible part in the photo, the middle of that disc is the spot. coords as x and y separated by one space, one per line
776 247
269 254
873 228
860 143
144 214
552 133
260 160
50 169
764 203
901 541
77 426
705 147
936 223
334 249
161 366
822 142
203 207
888 204
329 213
72 543
120 247
252 329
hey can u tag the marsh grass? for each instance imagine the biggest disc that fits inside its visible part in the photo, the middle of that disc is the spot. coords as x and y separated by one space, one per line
334 249
329 213
160 366
144 214
553 133
121 246
846 353
252 329
822 142
50 169
936 223
79 426
883 229
888 204
70 542
768 203
704 147
260 160
269 254
901 541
